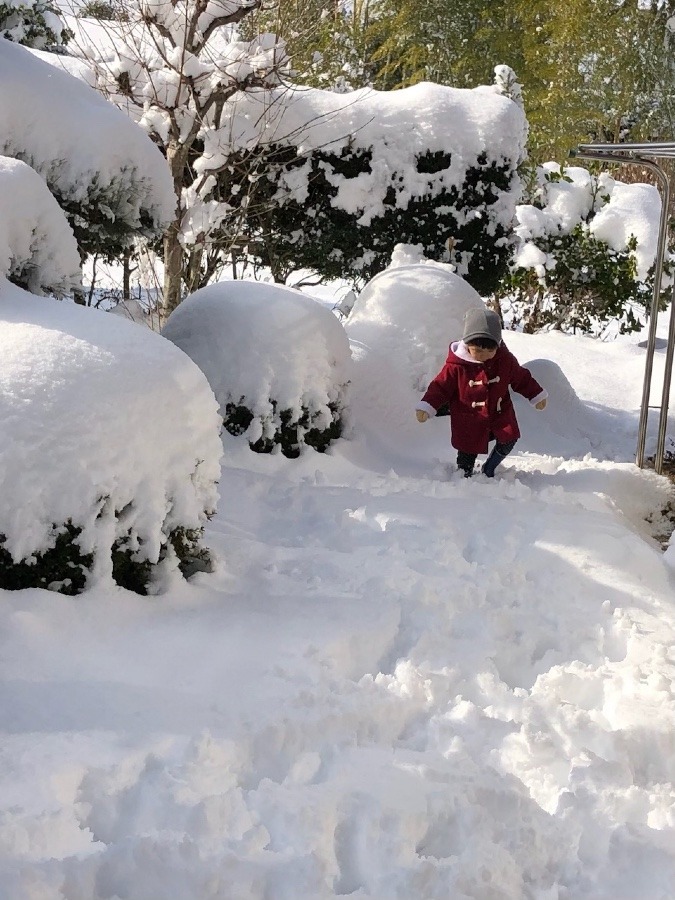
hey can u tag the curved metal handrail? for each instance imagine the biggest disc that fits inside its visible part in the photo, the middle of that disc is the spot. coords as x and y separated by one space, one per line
637 154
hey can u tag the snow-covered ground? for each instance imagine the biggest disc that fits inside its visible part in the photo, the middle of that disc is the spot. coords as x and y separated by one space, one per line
398 684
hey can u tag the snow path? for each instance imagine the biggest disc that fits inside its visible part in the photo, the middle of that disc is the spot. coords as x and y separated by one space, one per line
393 687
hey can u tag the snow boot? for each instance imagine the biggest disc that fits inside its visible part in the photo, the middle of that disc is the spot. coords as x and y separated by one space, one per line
499 453
466 462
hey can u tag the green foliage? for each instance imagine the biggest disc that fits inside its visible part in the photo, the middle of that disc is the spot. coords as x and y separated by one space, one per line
589 285
104 11
61 568
329 44
34 24
96 216
191 554
286 234
97 213
590 69
64 568
432 40
283 429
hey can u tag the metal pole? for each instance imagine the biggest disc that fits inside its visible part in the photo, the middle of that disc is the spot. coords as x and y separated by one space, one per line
610 153
646 148
665 394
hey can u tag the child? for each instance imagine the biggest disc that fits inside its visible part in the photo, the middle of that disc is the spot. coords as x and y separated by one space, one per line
475 383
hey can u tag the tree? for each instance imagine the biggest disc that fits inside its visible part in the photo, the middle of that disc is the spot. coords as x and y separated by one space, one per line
128 476
180 71
328 42
590 69
343 178
431 40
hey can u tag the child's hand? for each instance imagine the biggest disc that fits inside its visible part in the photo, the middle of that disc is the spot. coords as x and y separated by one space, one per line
540 405
422 416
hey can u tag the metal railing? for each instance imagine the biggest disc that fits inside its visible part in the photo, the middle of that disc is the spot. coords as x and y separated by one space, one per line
644 154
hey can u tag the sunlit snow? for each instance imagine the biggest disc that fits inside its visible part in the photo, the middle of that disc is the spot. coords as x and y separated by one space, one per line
105 424
397 684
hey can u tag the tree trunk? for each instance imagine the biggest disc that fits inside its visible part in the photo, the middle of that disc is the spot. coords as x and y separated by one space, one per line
126 276
173 251
173 265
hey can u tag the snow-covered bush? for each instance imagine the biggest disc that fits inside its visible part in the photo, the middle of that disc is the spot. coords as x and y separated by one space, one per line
341 179
410 313
104 172
276 359
584 254
34 23
37 246
109 448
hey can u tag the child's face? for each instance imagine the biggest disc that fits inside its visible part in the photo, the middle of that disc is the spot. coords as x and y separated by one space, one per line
480 354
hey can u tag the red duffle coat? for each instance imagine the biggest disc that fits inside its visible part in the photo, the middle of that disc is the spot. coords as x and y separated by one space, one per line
479 400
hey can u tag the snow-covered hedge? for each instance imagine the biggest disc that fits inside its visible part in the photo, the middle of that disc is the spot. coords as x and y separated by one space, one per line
109 448
411 312
584 254
37 247
276 359
34 23
341 179
107 176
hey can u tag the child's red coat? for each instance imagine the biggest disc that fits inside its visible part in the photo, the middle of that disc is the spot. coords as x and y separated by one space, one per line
479 400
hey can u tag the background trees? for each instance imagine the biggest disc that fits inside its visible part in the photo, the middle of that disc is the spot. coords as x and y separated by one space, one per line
590 69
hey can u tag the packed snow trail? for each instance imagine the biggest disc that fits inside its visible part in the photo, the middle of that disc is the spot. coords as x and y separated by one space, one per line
398 684
393 687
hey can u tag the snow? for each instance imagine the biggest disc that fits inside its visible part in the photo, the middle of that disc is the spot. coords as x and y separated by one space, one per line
632 210
36 241
158 57
15 26
396 126
170 73
613 210
78 142
397 683
105 424
257 343
405 314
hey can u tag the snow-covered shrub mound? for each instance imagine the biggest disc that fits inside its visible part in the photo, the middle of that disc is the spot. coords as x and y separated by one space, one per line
37 247
410 313
346 177
614 211
584 253
105 173
109 448
277 361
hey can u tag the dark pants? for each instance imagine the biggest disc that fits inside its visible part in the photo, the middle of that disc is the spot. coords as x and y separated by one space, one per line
466 461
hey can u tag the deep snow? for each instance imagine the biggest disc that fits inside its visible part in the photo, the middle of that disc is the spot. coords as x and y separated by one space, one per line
396 685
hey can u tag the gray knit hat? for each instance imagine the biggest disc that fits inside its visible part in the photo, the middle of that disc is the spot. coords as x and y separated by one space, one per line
482 323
